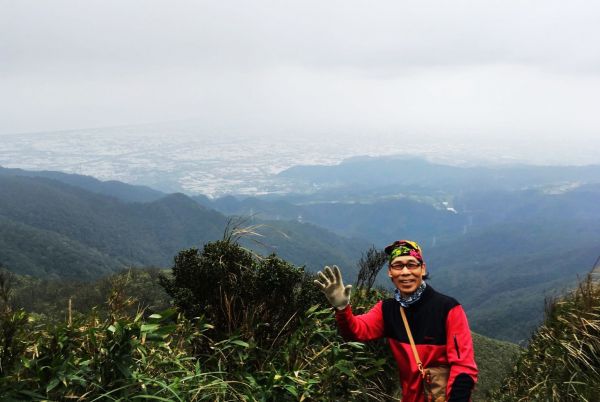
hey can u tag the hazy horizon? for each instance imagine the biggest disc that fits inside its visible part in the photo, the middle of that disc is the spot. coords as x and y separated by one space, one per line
496 73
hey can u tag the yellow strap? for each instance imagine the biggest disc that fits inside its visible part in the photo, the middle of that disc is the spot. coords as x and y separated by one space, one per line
412 342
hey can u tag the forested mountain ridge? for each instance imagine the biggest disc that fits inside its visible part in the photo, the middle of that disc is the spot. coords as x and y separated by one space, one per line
117 189
415 209
500 245
377 173
48 254
499 252
378 220
109 233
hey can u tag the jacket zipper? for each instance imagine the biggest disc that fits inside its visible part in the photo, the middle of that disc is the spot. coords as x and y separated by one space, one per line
456 346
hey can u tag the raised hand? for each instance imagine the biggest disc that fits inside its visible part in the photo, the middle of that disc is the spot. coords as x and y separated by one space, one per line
330 283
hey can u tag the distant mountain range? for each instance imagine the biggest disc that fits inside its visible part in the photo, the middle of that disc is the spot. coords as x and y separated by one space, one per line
52 229
526 244
395 174
113 188
500 240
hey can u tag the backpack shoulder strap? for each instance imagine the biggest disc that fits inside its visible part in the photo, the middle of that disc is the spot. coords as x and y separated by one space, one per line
412 342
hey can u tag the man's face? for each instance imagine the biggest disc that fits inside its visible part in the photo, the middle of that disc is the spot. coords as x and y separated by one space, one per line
407 274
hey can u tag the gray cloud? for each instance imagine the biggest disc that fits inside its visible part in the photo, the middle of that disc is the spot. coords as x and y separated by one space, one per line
470 69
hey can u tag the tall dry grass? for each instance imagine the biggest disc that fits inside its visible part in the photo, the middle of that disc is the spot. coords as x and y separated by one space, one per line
562 362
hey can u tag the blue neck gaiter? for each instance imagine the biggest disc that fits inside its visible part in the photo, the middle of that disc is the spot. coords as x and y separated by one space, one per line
412 299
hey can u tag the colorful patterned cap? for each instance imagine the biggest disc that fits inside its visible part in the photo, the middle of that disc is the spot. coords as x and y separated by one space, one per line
404 247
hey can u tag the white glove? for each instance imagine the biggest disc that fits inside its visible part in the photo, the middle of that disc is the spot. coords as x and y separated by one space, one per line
333 288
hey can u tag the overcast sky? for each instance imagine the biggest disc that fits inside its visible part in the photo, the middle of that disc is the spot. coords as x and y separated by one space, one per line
470 69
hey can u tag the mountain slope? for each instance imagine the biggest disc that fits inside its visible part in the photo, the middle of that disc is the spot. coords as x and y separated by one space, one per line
393 172
562 359
494 360
47 254
377 221
117 189
121 233
498 252
503 274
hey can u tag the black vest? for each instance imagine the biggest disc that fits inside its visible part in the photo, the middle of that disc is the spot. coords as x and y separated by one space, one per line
426 318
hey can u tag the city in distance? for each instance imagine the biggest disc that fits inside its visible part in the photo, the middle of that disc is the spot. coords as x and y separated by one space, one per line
181 157
501 226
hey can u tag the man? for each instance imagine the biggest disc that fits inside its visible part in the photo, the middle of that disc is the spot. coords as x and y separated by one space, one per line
437 322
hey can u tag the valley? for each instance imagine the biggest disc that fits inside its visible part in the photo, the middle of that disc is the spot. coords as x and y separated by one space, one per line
501 247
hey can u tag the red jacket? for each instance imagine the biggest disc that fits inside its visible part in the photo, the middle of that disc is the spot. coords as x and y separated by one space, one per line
440 330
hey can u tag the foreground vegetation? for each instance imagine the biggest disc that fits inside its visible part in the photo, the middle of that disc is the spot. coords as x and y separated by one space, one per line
245 328
562 362
242 327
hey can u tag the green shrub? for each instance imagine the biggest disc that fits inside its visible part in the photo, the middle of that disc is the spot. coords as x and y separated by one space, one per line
12 324
239 292
248 329
132 358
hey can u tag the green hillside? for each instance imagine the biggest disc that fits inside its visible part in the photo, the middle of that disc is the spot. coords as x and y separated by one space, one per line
48 254
117 189
361 174
504 275
69 226
378 220
113 351
562 360
494 360
501 254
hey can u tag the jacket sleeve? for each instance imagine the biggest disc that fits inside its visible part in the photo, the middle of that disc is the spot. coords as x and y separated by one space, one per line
461 357
364 327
